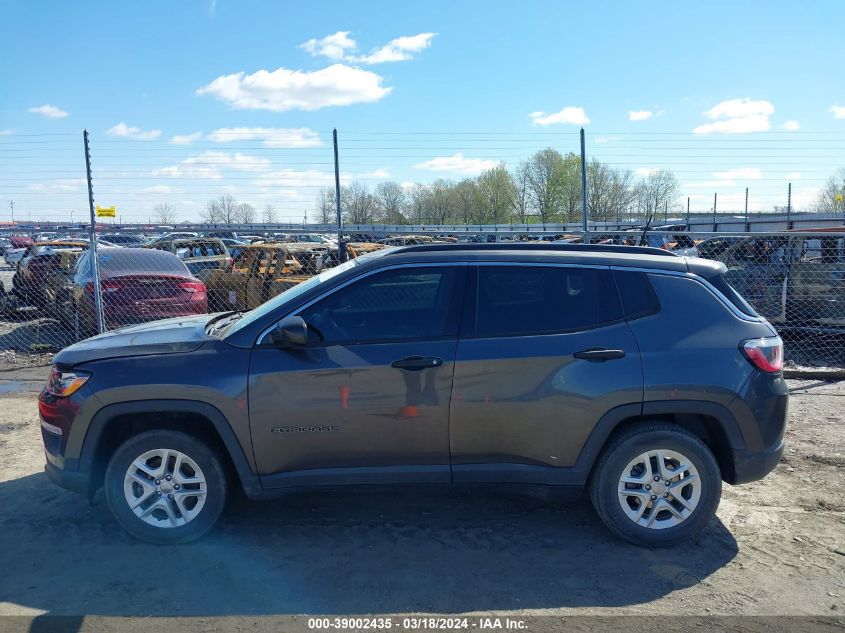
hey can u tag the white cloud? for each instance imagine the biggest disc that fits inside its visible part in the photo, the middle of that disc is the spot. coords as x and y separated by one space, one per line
186 139
458 164
332 46
742 173
791 126
397 50
570 114
158 189
737 116
711 184
272 136
210 165
126 131
339 46
793 175
838 111
607 139
6 132
640 115
283 89
60 185
50 111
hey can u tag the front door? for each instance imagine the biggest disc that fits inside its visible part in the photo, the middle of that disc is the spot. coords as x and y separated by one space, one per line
367 400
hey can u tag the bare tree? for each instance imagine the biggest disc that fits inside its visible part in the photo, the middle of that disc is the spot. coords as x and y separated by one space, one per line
326 206
832 196
440 202
211 213
244 213
165 214
419 203
358 203
658 191
609 191
270 216
389 198
221 211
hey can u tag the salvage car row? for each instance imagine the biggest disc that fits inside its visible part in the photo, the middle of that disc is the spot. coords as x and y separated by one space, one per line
793 279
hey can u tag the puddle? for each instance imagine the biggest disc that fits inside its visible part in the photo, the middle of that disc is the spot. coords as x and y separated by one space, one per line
13 386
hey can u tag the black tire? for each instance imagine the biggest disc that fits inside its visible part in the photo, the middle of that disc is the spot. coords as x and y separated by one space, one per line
625 447
197 450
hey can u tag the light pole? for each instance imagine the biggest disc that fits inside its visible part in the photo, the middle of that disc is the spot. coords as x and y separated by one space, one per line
12 204
71 217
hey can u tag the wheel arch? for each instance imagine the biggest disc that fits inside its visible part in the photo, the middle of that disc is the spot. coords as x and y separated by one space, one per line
711 422
115 423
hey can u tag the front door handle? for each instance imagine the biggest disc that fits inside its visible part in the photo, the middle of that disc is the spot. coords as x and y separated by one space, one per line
600 354
417 363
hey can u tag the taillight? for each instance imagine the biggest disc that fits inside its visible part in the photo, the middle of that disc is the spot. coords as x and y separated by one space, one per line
64 383
193 286
111 286
89 287
766 354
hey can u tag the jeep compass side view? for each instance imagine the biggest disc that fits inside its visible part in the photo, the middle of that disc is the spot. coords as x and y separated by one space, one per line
635 374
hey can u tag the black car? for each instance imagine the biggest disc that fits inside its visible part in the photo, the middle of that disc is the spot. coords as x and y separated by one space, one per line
630 372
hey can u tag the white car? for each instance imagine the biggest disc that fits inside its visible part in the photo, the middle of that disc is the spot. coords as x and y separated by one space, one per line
14 255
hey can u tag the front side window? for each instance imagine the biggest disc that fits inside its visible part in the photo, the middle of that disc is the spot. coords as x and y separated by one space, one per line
393 305
528 300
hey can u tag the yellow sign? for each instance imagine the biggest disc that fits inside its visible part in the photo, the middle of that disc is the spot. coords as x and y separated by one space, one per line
105 212
839 197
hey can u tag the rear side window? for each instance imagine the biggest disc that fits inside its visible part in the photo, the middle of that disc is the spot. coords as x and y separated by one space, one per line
120 261
719 283
638 297
526 300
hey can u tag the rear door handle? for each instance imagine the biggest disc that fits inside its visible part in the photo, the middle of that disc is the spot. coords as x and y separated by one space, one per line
598 355
417 363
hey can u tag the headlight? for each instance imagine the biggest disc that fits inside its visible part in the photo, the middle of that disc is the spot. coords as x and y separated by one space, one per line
65 383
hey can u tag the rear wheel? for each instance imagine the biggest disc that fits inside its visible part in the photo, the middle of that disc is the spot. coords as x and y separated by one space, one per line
656 485
165 487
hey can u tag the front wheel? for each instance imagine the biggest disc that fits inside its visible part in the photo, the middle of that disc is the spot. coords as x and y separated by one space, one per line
656 485
165 487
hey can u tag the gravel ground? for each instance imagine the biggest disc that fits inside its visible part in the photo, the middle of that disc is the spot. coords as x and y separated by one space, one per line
777 547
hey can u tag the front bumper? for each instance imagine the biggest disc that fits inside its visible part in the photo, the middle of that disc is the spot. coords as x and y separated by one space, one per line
754 465
74 481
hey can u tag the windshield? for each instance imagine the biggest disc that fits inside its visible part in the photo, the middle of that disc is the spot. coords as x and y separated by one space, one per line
297 291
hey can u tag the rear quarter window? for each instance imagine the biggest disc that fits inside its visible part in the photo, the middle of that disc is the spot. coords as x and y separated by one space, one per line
736 299
638 297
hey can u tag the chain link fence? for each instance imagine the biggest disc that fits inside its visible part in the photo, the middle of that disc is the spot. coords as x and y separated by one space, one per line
795 279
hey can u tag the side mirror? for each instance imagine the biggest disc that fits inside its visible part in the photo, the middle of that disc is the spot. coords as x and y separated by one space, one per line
290 332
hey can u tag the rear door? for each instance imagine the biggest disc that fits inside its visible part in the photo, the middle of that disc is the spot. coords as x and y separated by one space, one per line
544 354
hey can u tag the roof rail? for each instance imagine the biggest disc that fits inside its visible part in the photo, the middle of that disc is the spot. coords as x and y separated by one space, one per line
529 246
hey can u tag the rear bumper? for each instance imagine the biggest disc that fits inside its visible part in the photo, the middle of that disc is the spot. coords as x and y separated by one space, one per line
754 465
74 481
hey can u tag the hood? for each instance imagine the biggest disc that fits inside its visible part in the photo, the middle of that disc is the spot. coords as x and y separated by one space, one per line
170 336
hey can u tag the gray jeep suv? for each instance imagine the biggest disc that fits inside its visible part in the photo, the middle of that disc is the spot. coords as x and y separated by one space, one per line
631 372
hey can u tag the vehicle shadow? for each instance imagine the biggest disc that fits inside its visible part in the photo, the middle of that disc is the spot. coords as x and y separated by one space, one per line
351 552
34 335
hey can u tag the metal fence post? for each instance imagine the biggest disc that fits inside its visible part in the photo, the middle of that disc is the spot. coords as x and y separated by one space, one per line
584 188
789 207
747 228
95 266
687 213
341 252
715 224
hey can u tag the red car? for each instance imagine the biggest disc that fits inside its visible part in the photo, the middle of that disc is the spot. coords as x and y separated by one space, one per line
138 285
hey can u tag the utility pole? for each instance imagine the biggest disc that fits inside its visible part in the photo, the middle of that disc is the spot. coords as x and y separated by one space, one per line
341 251
98 299
584 188
12 204
747 228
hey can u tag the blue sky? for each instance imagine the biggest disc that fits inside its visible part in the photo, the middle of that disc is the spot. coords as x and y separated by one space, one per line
727 94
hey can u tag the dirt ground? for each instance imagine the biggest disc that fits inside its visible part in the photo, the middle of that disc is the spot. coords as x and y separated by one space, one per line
776 548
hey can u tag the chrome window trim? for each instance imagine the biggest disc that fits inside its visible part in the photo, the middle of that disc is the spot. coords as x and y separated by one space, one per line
266 332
